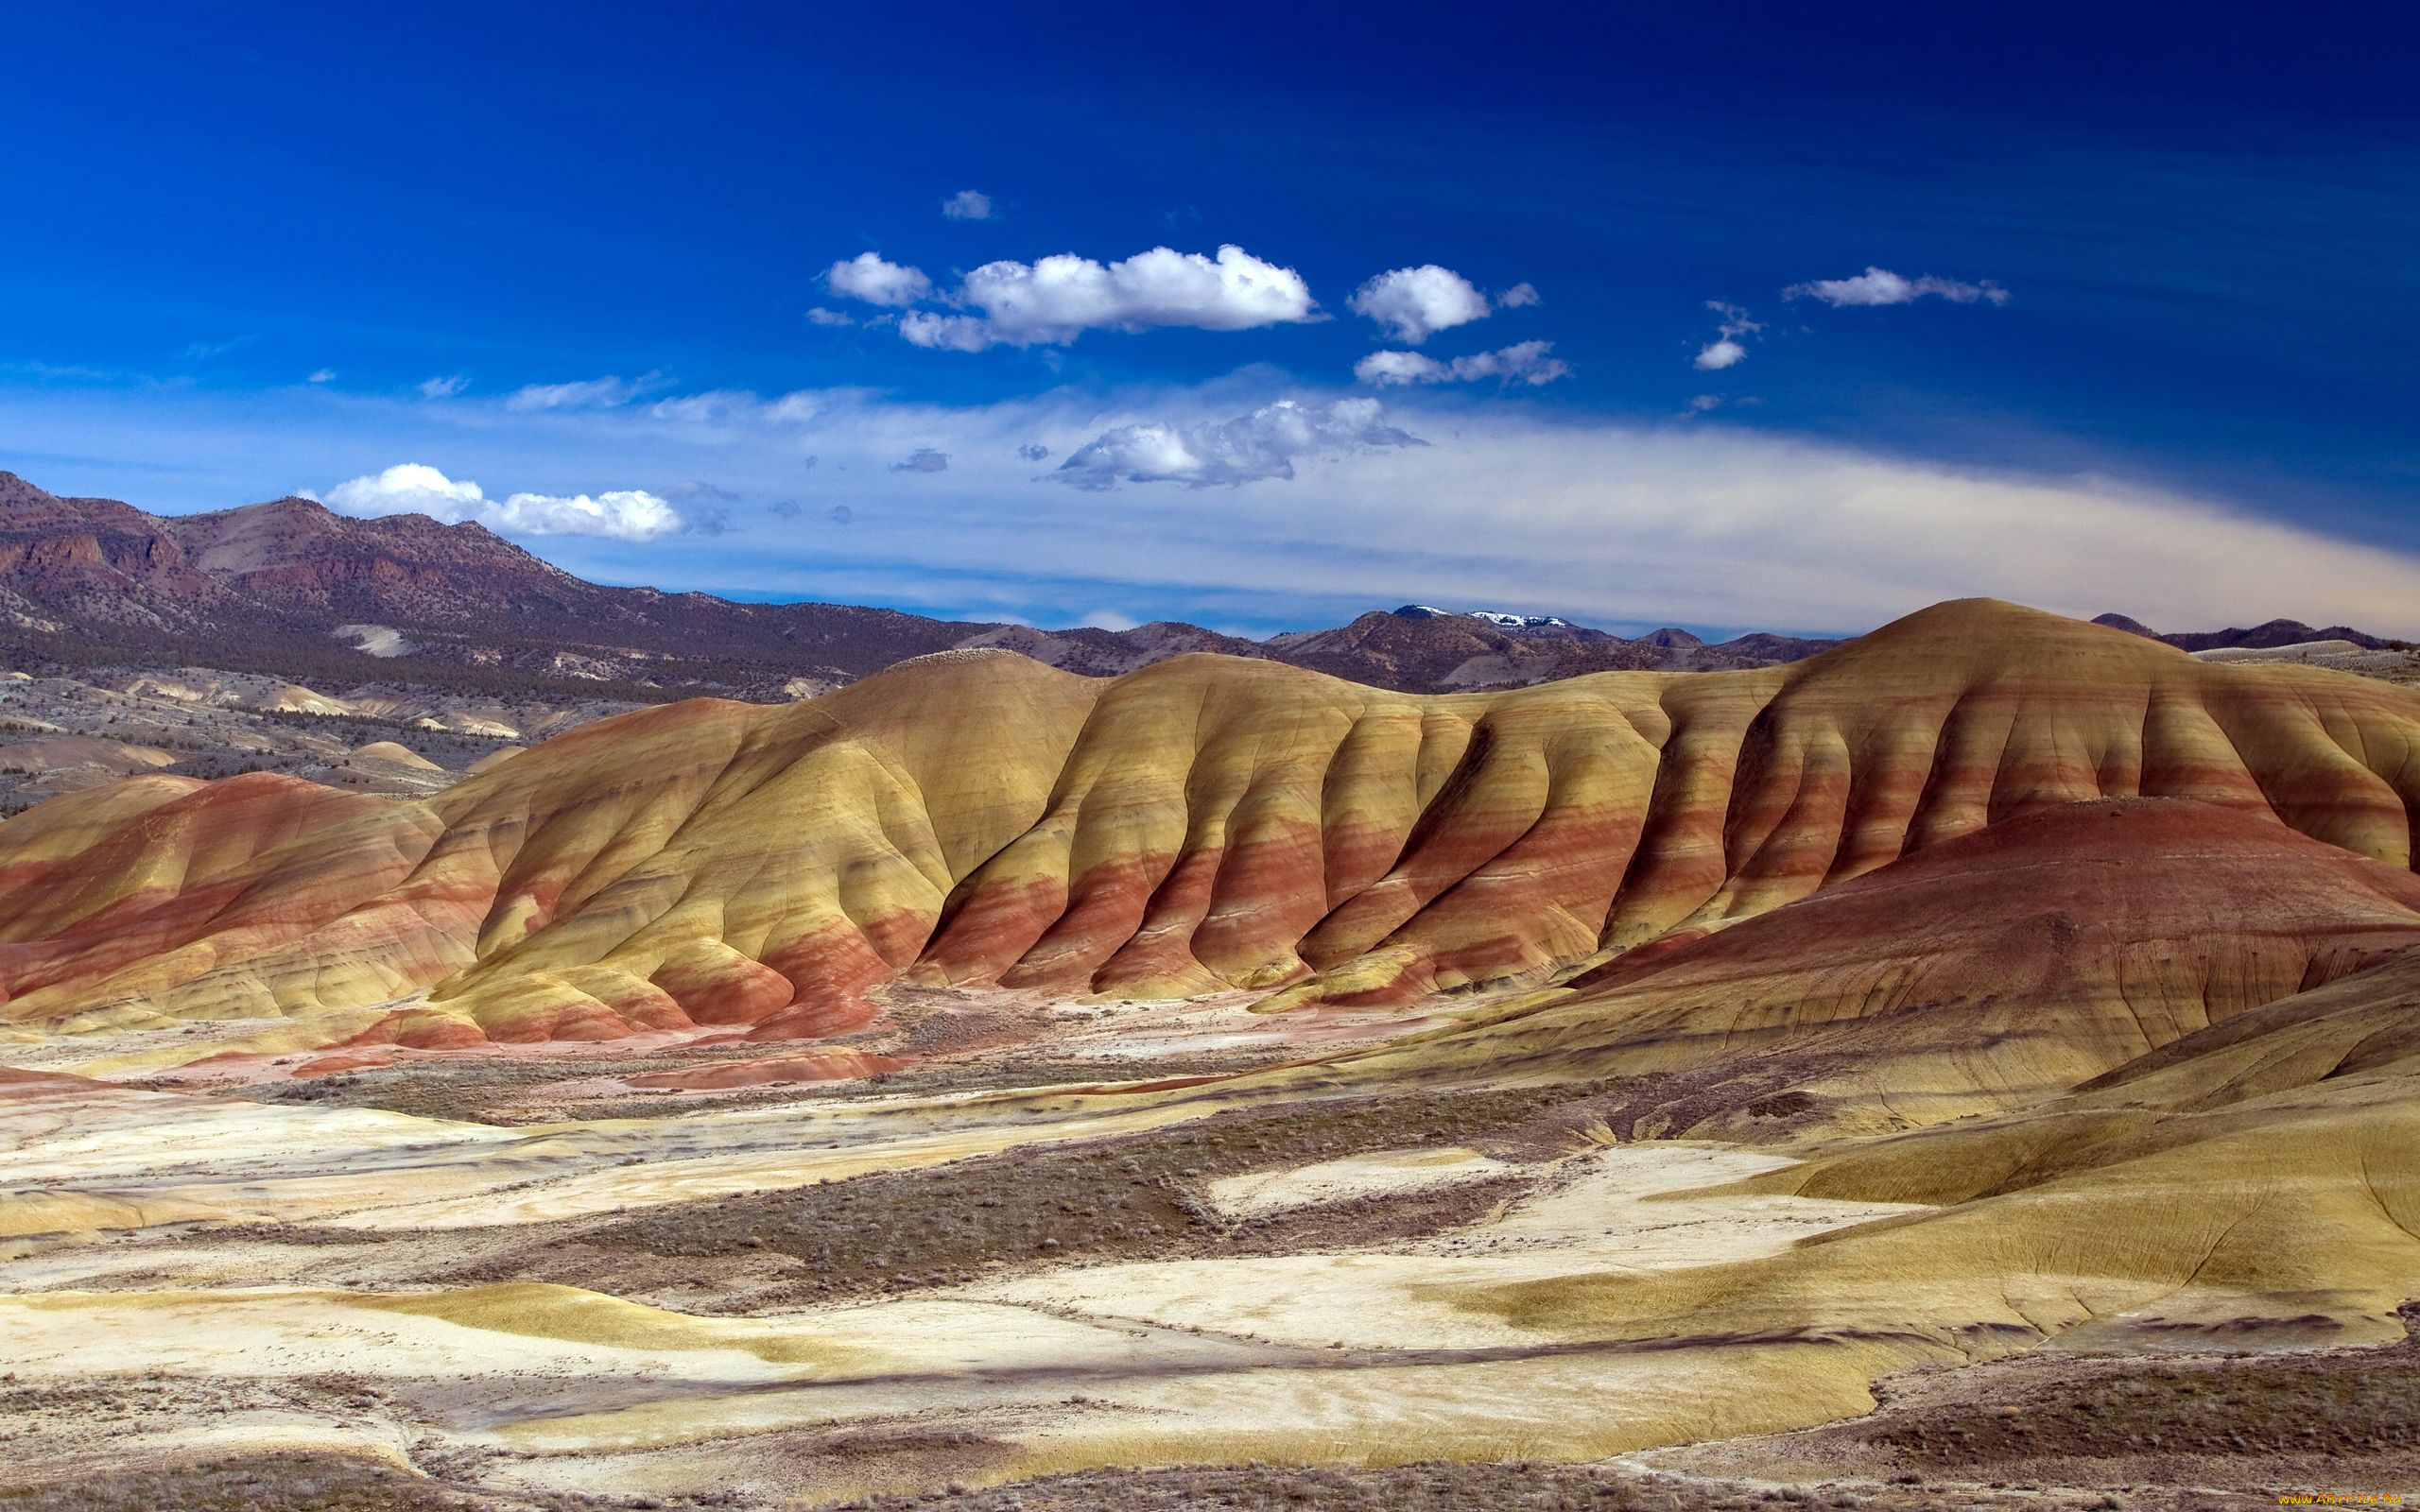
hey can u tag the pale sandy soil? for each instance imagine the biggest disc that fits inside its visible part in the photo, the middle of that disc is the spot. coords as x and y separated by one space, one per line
1350 1353
1595 1212
239 1277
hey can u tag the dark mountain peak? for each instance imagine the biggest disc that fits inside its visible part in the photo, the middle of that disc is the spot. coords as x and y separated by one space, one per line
2263 637
1763 646
2271 634
2132 627
1671 640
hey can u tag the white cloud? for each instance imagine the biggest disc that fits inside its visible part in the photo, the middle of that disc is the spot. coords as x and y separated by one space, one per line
1052 302
867 277
1716 356
591 393
968 204
946 333
1414 303
1381 369
820 316
739 406
413 487
1880 285
1525 363
445 388
1108 619
1248 449
1662 521
322 375
1725 349
1517 297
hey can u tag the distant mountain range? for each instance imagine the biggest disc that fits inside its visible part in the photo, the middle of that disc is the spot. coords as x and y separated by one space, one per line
292 589
2263 637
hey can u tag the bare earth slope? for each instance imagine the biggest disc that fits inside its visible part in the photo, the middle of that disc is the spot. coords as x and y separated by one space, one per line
1956 1018
977 820
1986 971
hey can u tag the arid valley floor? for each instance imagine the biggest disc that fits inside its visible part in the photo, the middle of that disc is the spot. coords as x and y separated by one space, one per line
1971 1067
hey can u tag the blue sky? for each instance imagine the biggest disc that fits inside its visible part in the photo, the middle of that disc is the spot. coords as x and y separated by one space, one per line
2163 360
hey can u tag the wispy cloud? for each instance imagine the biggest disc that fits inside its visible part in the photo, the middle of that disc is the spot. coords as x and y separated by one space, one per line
443 387
204 351
1880 285
1526 363
1725 349
588 393
1249 449
1662 521
968 204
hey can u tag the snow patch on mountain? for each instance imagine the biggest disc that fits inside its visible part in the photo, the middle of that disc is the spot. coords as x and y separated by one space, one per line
1496 617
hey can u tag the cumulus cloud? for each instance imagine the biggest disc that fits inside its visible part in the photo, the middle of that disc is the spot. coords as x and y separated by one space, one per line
867 277
923 460
1414 303
1525 363
1880 285
413 487
946 333
820 316
591 393
1033 452
1725 349
968 204
322 375
445 388
1052 302
1248 449
1717 355
1693 522
1518 297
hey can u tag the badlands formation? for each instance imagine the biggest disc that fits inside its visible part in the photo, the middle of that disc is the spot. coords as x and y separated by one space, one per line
982 1072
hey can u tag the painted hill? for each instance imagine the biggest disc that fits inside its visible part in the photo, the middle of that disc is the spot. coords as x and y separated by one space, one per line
1986 971
1207 822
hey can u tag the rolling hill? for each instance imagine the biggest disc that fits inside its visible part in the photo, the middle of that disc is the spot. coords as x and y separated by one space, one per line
1208 823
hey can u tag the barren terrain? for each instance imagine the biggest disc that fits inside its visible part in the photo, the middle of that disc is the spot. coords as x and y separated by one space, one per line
1974 1068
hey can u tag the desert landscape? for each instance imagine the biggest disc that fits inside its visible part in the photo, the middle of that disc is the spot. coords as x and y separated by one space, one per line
1972 1065
1321 757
